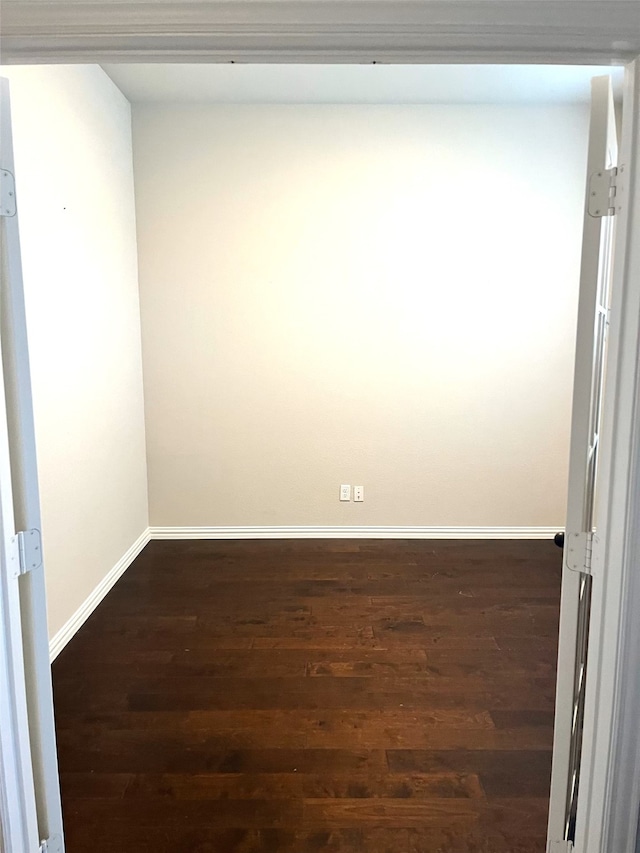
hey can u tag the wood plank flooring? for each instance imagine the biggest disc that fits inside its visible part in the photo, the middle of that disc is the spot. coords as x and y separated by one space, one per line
308 696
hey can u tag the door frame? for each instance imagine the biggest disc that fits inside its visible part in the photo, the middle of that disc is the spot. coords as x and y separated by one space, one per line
610 775
587 32
610 786
33 776
582 510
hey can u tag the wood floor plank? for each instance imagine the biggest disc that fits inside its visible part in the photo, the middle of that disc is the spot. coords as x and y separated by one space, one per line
326 839
431 813
358 784
314 697
427 692
501 774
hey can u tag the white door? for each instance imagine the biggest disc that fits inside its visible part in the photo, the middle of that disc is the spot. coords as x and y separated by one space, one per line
30 804
582 545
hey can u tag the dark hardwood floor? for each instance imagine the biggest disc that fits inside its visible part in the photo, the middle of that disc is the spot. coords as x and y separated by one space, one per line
308 696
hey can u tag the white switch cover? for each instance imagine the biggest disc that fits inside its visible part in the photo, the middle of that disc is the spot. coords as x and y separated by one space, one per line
345 493
358 493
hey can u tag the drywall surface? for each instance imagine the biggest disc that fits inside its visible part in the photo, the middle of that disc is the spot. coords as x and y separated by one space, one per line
382 296
74 174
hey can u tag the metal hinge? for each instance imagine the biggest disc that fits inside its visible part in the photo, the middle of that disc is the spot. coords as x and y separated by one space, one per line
26 552
563 846
603 192
51 845
581 552
7 193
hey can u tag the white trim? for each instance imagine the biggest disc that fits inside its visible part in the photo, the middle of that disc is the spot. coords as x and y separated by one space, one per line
25 617
18 815
538 31
72 625
582 516
609 789
360 532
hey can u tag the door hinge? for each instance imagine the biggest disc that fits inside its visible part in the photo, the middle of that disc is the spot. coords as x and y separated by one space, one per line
603 192
7 193
581 552
51 845
26 552
563 846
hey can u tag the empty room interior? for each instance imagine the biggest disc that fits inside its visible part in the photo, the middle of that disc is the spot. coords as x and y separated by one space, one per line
302 351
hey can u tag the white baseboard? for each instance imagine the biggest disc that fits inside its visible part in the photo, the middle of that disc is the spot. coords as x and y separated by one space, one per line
62 637
376 532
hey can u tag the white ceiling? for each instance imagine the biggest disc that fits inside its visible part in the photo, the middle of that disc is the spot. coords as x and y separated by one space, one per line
356 84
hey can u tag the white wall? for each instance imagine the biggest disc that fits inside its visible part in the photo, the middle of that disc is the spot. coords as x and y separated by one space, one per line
74 172
370 295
